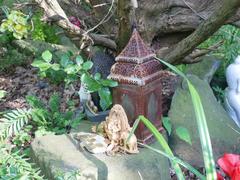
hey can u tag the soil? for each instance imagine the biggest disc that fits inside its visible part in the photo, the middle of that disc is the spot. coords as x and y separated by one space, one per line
25 81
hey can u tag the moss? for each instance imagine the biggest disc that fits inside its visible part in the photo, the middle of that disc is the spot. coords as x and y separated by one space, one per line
11 59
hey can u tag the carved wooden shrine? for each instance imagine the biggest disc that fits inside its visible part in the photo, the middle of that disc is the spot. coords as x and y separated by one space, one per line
138 74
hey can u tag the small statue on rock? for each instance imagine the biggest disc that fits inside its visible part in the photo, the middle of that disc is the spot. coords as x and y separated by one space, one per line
232 93
116 130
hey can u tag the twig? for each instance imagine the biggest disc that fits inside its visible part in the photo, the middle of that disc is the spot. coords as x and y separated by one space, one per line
53 8
104 19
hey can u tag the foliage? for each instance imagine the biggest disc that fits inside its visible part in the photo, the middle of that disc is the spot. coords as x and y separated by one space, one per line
220 94
13 165
23 137
69 69
181 132
230 48
203 132
13 121
49 117
167 152
42 31
202 125
12 58
16 23
74 175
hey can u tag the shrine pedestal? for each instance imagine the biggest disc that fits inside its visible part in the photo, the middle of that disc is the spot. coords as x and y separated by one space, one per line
141 100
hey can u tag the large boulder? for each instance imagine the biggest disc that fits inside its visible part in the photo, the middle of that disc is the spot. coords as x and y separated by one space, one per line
204 69
222 130
56 154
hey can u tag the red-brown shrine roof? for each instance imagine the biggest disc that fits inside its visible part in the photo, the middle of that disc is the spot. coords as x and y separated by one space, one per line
136 50
136 64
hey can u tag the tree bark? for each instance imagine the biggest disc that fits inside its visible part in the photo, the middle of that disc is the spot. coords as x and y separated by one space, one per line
203 32
124 29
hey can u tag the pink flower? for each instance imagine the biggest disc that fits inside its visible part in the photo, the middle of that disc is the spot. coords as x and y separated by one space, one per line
75 21
230 164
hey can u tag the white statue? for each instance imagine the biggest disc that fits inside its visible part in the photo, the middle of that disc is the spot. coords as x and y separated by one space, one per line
84 94
232 93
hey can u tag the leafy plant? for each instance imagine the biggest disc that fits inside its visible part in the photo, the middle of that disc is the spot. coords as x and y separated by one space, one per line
23 137
49 117
202 125
13 165
167 152
74 175
220 94
42 31
69 69
13 121
16 23
230 35
182 132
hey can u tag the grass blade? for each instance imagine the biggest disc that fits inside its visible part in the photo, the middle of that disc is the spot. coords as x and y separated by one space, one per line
160 140
202 126
177 160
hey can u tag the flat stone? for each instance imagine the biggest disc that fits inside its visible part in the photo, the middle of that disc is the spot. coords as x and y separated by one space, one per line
62 153
224 138
92 142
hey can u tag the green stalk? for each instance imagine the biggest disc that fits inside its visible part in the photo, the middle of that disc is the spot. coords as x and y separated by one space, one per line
177 160
202 126
160 140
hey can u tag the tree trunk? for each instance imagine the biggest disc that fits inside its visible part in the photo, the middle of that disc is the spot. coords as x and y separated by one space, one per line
203 32
161 23
125 26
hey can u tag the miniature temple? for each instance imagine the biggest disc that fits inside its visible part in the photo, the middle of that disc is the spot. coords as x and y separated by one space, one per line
139 92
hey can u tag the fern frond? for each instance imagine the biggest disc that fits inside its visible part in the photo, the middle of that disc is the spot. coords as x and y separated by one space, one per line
54 103
13 121
21 163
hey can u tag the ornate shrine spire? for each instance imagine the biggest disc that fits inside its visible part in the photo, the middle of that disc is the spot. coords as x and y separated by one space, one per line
136 50
136 64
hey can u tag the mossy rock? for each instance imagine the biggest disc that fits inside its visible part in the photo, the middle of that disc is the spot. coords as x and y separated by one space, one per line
221 128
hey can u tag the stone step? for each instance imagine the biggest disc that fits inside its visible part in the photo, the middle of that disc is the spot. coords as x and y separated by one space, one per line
62 153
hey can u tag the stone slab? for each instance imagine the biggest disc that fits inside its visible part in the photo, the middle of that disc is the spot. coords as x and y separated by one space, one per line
223 132
62 153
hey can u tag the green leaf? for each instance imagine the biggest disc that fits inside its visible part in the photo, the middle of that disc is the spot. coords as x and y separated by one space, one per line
109 83
65 60
55 67
2 94
47 56
167 124
70 69
183 134
43 66
202 126
34 102
97 76
105 98
92 84
54 103
79 60
87 65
